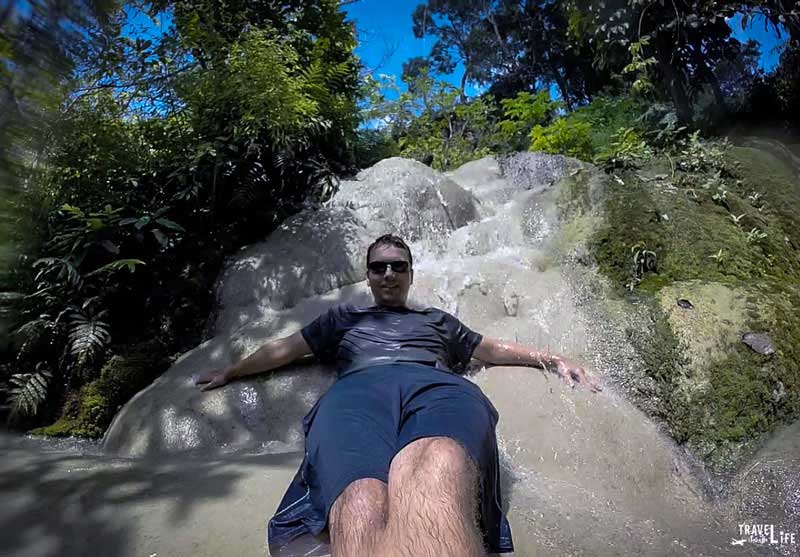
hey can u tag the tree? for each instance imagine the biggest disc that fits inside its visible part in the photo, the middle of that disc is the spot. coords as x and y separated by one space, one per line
165 152
432 123
513 45
463 34
685 39
542 51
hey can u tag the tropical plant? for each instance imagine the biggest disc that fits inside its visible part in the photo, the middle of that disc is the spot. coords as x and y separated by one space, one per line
431 122
520 115
755 235
644 261
167 152
640 66
626 151
571 137
698 155
29 391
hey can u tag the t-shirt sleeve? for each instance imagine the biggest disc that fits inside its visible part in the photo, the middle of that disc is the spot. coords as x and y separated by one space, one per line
463 342
324 333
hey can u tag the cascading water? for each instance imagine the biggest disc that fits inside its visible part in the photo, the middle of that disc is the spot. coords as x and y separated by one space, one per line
583 473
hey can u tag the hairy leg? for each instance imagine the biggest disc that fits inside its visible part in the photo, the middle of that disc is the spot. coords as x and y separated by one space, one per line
357 517
433 502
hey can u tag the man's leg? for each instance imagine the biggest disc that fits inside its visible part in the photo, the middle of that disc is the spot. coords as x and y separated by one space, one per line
357 518
433 502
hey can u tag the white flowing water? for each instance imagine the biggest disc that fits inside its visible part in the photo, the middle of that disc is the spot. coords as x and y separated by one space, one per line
188 473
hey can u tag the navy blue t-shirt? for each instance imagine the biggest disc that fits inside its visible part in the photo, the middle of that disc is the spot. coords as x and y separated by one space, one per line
354 338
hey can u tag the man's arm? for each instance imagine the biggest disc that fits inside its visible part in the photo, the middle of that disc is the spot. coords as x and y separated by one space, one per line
497 352
273 354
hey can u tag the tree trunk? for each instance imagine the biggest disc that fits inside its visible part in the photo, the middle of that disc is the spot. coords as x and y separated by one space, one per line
709 77
674 80
562 85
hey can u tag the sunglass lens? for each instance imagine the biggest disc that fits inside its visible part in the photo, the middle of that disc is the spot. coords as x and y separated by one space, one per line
379 267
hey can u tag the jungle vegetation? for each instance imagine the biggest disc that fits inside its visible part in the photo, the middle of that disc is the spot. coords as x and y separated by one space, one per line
132 162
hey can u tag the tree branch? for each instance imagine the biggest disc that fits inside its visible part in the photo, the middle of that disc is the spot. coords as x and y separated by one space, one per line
135 83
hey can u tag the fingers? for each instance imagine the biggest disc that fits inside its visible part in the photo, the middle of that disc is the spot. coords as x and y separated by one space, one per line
575 375
587 379
205 377
213 384
212 381
566 376
594 384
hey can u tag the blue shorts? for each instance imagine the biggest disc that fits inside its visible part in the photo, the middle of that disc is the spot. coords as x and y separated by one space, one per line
357 427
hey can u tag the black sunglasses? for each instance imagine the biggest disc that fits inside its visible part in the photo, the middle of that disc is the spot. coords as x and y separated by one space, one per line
379 267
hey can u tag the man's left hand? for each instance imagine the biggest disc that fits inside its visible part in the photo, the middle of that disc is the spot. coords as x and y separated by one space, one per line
571 373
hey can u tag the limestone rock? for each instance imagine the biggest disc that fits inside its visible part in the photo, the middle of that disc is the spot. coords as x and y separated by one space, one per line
490 269
407 198
760 342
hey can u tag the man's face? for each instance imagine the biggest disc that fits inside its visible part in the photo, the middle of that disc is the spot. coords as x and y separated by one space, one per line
389 288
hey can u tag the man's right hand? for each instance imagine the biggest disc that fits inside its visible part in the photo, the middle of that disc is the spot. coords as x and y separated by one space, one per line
213 379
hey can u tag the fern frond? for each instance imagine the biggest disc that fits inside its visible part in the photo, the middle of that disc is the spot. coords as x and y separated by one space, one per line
252 186
63 269
29 391
33 333
88 335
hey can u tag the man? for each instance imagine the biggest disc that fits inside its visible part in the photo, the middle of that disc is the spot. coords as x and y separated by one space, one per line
401 455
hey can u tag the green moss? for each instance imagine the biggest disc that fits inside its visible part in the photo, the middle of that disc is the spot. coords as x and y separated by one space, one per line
743 395
84 416
90 412
684 234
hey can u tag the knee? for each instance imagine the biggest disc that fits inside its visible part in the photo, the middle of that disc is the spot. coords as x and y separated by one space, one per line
445 458
362 503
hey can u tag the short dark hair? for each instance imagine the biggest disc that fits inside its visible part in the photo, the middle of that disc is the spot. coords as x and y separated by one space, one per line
391 240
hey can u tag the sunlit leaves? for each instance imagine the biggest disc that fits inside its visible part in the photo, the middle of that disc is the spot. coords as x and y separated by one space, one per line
88 332
29 390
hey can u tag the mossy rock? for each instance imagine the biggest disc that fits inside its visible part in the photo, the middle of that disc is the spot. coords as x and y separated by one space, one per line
90 412
713 393
711 328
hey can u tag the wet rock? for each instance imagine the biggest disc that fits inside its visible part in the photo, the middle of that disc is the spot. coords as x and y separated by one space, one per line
760 342
533 171
778 393
473 233
511 304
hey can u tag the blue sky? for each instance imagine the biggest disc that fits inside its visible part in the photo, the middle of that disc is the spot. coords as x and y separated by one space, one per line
767 38
385 26
386 39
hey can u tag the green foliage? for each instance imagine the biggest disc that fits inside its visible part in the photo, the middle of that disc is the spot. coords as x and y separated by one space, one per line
640 66
29 391
685 42
520 115
571 137
644 261
265 93
87 332
432 123
372 146
168 152
610 127
626 150
89 412
698 155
